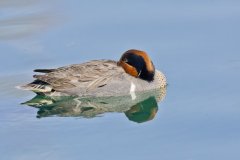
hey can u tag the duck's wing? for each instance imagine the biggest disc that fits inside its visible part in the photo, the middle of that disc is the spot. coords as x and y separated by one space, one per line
87 75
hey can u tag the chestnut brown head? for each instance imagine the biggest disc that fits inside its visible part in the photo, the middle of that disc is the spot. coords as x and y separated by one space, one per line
138 64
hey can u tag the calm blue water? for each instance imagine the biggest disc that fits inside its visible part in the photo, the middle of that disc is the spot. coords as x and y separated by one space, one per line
196 45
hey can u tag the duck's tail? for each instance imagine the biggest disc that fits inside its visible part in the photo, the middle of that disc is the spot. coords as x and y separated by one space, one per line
36 86
44 70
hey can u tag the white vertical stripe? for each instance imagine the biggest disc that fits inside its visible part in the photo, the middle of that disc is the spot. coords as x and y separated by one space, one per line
132 91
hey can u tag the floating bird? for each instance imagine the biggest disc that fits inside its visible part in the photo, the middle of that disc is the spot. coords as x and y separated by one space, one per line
134 72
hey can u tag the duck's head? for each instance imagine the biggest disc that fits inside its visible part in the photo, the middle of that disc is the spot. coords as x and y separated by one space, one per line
138 64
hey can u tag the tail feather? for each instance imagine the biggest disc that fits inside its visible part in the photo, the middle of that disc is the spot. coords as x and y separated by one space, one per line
37 86
44 70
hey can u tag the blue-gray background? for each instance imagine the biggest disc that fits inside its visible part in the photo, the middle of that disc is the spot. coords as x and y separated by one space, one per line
195 43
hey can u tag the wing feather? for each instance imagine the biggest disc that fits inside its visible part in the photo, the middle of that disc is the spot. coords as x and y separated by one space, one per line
89 75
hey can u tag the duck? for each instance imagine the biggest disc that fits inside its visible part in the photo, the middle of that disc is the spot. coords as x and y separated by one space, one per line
134 72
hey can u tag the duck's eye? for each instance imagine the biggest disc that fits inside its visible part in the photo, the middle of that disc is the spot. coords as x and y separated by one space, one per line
125 60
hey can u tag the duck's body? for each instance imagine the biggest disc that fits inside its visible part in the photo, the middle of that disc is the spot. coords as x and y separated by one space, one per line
94 78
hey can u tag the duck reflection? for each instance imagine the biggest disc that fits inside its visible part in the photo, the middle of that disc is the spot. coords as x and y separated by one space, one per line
142 109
